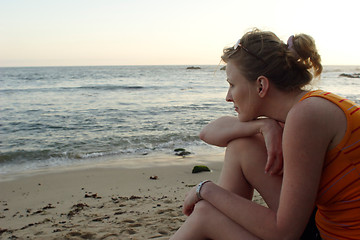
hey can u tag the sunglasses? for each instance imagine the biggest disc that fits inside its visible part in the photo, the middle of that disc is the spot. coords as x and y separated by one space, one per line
238 45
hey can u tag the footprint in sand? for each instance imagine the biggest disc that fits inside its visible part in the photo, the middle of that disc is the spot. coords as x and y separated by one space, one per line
135 225
129 231
77 235
110 236
129 221
162 211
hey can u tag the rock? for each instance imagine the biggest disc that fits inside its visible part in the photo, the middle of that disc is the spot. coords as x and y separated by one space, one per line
200 168
354 75
192 67
181 152
154 177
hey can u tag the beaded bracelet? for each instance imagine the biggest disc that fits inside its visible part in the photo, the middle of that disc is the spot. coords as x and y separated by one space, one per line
198 189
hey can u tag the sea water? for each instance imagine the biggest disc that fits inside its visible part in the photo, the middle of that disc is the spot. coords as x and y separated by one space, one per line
62 116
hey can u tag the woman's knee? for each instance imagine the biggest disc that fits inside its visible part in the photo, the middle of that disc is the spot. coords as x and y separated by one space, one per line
203 212
247 154
244 148
203 208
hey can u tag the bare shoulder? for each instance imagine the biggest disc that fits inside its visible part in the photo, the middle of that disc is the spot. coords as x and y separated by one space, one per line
319 116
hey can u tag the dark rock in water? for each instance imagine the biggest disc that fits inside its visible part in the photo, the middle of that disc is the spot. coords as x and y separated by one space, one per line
200 168
193 67
354 75
223 68
181 152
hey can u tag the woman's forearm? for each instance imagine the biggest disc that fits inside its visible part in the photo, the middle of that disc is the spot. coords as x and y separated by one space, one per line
225 129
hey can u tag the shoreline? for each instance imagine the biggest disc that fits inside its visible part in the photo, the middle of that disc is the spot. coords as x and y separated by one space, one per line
114 161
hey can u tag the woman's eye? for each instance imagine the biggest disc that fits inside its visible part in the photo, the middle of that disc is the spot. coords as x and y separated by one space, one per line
230 84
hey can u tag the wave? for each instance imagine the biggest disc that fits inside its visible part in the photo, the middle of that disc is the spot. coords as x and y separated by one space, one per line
112 87
22 160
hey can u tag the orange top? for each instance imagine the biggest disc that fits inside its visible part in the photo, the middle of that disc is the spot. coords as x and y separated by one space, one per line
338 200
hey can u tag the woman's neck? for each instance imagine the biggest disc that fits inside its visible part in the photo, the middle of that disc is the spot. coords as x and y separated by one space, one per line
279 103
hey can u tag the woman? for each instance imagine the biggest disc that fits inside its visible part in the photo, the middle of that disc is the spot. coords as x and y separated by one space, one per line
298 149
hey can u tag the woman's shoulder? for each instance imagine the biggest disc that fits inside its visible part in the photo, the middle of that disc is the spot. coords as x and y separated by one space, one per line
318 115
317 109
313 104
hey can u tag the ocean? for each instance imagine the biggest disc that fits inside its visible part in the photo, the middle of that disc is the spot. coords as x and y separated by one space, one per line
67 116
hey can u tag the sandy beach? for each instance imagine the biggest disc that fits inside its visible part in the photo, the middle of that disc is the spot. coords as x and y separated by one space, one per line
101 202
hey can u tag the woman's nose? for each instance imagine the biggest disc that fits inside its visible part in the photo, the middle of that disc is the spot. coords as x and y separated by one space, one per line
228 97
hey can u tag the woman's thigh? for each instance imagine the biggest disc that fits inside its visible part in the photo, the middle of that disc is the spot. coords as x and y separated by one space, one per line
244 170
210 223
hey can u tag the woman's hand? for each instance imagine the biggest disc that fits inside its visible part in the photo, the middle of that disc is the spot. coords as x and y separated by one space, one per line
272 132
190 200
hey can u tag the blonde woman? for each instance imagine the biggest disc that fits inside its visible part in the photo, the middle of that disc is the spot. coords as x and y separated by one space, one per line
299 149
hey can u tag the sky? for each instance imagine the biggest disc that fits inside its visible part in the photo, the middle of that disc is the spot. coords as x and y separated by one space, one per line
165 32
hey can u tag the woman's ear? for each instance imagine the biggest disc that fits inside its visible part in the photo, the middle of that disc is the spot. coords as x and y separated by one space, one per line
262 84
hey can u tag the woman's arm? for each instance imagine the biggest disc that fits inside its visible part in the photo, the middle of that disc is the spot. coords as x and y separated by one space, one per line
225 129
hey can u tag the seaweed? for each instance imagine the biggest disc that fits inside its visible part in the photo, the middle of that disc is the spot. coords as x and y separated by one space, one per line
200 168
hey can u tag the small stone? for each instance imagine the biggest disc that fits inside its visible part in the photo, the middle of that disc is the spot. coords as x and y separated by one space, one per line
200 168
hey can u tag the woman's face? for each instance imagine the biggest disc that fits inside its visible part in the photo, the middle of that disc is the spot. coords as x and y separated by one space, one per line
243 93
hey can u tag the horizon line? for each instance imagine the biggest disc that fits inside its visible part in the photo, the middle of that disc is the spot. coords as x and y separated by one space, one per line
129 65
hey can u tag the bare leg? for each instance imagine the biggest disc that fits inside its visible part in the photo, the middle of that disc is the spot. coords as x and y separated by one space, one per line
243 171
206 222
232 177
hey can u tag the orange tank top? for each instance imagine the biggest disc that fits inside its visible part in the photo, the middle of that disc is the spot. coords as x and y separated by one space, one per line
338 200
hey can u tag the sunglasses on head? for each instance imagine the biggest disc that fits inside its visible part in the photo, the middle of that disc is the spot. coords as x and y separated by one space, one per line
238 45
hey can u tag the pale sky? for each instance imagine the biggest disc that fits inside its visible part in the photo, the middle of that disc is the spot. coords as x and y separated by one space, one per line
163 32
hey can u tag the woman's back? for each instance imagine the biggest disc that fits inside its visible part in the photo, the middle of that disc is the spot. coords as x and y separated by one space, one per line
338 198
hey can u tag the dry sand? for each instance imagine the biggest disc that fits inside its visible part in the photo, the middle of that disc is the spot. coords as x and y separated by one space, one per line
101 202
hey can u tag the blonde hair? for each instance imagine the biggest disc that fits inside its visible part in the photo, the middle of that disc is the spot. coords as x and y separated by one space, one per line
263 53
